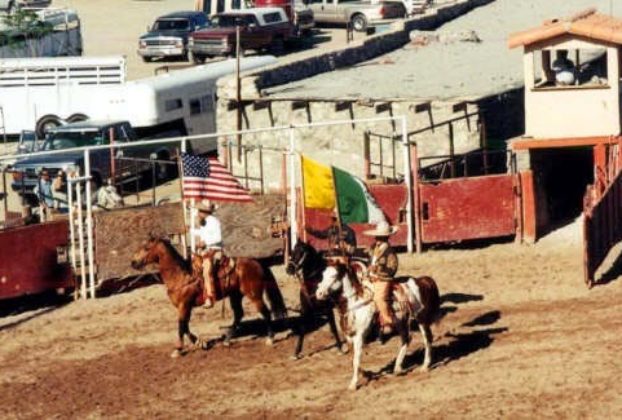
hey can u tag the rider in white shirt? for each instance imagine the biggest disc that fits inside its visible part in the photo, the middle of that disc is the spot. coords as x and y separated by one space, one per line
210 238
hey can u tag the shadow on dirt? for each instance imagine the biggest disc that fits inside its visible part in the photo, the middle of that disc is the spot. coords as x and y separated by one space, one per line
456 298
39 304
614 272
461 345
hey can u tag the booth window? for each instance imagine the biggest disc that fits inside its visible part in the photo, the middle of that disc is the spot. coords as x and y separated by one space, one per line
563 69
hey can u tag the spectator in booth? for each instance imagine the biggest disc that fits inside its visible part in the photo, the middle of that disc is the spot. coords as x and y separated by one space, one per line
565 72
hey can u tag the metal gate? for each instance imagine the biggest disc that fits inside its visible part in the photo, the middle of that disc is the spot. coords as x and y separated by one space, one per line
468 208
602 210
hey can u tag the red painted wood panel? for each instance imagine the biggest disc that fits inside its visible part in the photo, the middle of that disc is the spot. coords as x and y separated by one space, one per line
602 226
392 200
468 208
28 261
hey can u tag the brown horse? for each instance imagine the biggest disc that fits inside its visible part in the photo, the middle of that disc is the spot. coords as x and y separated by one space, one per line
185 287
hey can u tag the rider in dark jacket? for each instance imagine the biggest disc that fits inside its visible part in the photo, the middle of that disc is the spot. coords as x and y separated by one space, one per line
336 242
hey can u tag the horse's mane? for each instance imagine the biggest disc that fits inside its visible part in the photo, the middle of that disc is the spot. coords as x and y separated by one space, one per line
181 261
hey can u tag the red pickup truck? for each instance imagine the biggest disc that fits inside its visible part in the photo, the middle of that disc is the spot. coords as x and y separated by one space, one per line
260 28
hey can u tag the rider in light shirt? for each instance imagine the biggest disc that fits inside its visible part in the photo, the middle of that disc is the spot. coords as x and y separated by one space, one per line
210 238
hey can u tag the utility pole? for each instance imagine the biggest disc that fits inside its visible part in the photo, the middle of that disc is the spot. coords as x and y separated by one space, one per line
238 90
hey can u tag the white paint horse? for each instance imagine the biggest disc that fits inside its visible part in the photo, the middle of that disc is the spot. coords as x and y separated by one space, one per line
415 298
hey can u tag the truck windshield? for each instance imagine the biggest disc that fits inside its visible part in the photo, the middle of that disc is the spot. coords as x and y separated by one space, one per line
227 21
58 141
170 25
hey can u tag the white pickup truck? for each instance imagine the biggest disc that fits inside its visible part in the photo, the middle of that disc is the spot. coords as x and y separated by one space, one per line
359 14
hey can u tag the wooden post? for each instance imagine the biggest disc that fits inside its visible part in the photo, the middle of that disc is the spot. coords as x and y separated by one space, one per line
414 161
367 155
238 90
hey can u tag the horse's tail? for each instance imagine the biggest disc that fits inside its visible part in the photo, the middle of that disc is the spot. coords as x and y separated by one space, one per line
277 304
431 300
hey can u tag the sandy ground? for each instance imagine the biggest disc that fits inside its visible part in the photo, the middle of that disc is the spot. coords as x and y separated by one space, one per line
521 337
449 69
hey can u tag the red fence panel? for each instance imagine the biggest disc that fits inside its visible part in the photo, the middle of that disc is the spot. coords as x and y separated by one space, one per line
468 208
602 226
28 261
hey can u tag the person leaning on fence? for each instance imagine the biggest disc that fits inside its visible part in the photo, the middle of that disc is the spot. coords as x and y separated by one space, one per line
44 192
382 268
210 238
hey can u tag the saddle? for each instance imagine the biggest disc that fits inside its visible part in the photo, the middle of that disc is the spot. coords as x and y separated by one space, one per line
225 268
406 295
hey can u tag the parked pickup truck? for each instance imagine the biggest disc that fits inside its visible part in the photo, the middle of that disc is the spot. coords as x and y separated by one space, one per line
260 28
168 37
360 14
83 134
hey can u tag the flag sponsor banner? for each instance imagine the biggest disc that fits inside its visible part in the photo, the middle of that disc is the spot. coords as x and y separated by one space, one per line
205 177
326 187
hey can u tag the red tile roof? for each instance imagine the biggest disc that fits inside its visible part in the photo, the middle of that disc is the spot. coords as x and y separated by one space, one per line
587 23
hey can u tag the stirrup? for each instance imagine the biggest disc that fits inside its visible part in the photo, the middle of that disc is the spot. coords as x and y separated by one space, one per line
209 302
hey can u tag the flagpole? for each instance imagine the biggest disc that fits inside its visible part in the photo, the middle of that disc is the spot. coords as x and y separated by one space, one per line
292 190
180 170
339 228
302 200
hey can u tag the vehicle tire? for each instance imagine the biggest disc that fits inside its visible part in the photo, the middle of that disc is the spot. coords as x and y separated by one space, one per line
147 59
198 58
77 117
277 47
359 22
45 124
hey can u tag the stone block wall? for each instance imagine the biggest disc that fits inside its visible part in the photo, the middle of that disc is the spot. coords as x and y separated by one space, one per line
343 145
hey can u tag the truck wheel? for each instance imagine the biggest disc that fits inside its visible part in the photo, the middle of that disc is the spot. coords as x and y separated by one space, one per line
359 22
198 58
77 117
45 124
147 59
277 47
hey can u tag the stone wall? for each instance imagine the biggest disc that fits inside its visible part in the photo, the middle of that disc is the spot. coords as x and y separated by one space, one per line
356 52
343 145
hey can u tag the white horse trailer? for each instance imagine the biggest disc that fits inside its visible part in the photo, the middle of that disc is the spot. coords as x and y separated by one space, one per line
178 103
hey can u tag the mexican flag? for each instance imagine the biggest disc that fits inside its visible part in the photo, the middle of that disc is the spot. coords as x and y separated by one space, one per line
327 187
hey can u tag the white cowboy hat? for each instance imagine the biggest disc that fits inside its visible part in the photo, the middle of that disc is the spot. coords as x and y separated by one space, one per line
382 229
205 205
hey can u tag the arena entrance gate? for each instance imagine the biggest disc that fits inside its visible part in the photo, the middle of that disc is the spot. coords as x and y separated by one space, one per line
480 199
602 209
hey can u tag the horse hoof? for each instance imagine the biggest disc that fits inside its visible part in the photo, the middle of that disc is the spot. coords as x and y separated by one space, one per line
344 348
269 341
226 343
176 353
399 372
296 356
424 368
352 387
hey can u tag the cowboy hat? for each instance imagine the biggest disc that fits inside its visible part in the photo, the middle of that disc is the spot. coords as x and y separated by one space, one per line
382 229
205 205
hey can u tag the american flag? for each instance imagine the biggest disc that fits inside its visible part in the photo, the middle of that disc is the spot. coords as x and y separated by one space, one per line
206 177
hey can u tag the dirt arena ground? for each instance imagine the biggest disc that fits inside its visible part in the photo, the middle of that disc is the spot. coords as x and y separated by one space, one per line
521 337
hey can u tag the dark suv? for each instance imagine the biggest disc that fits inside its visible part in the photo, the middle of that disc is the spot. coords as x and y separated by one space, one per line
84 134
168 37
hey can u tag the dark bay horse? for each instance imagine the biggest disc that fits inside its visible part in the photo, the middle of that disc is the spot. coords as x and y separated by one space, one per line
307 264
185 287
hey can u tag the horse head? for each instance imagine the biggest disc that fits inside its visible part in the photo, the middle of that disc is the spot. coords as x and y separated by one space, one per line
147 254
299 255
332 281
